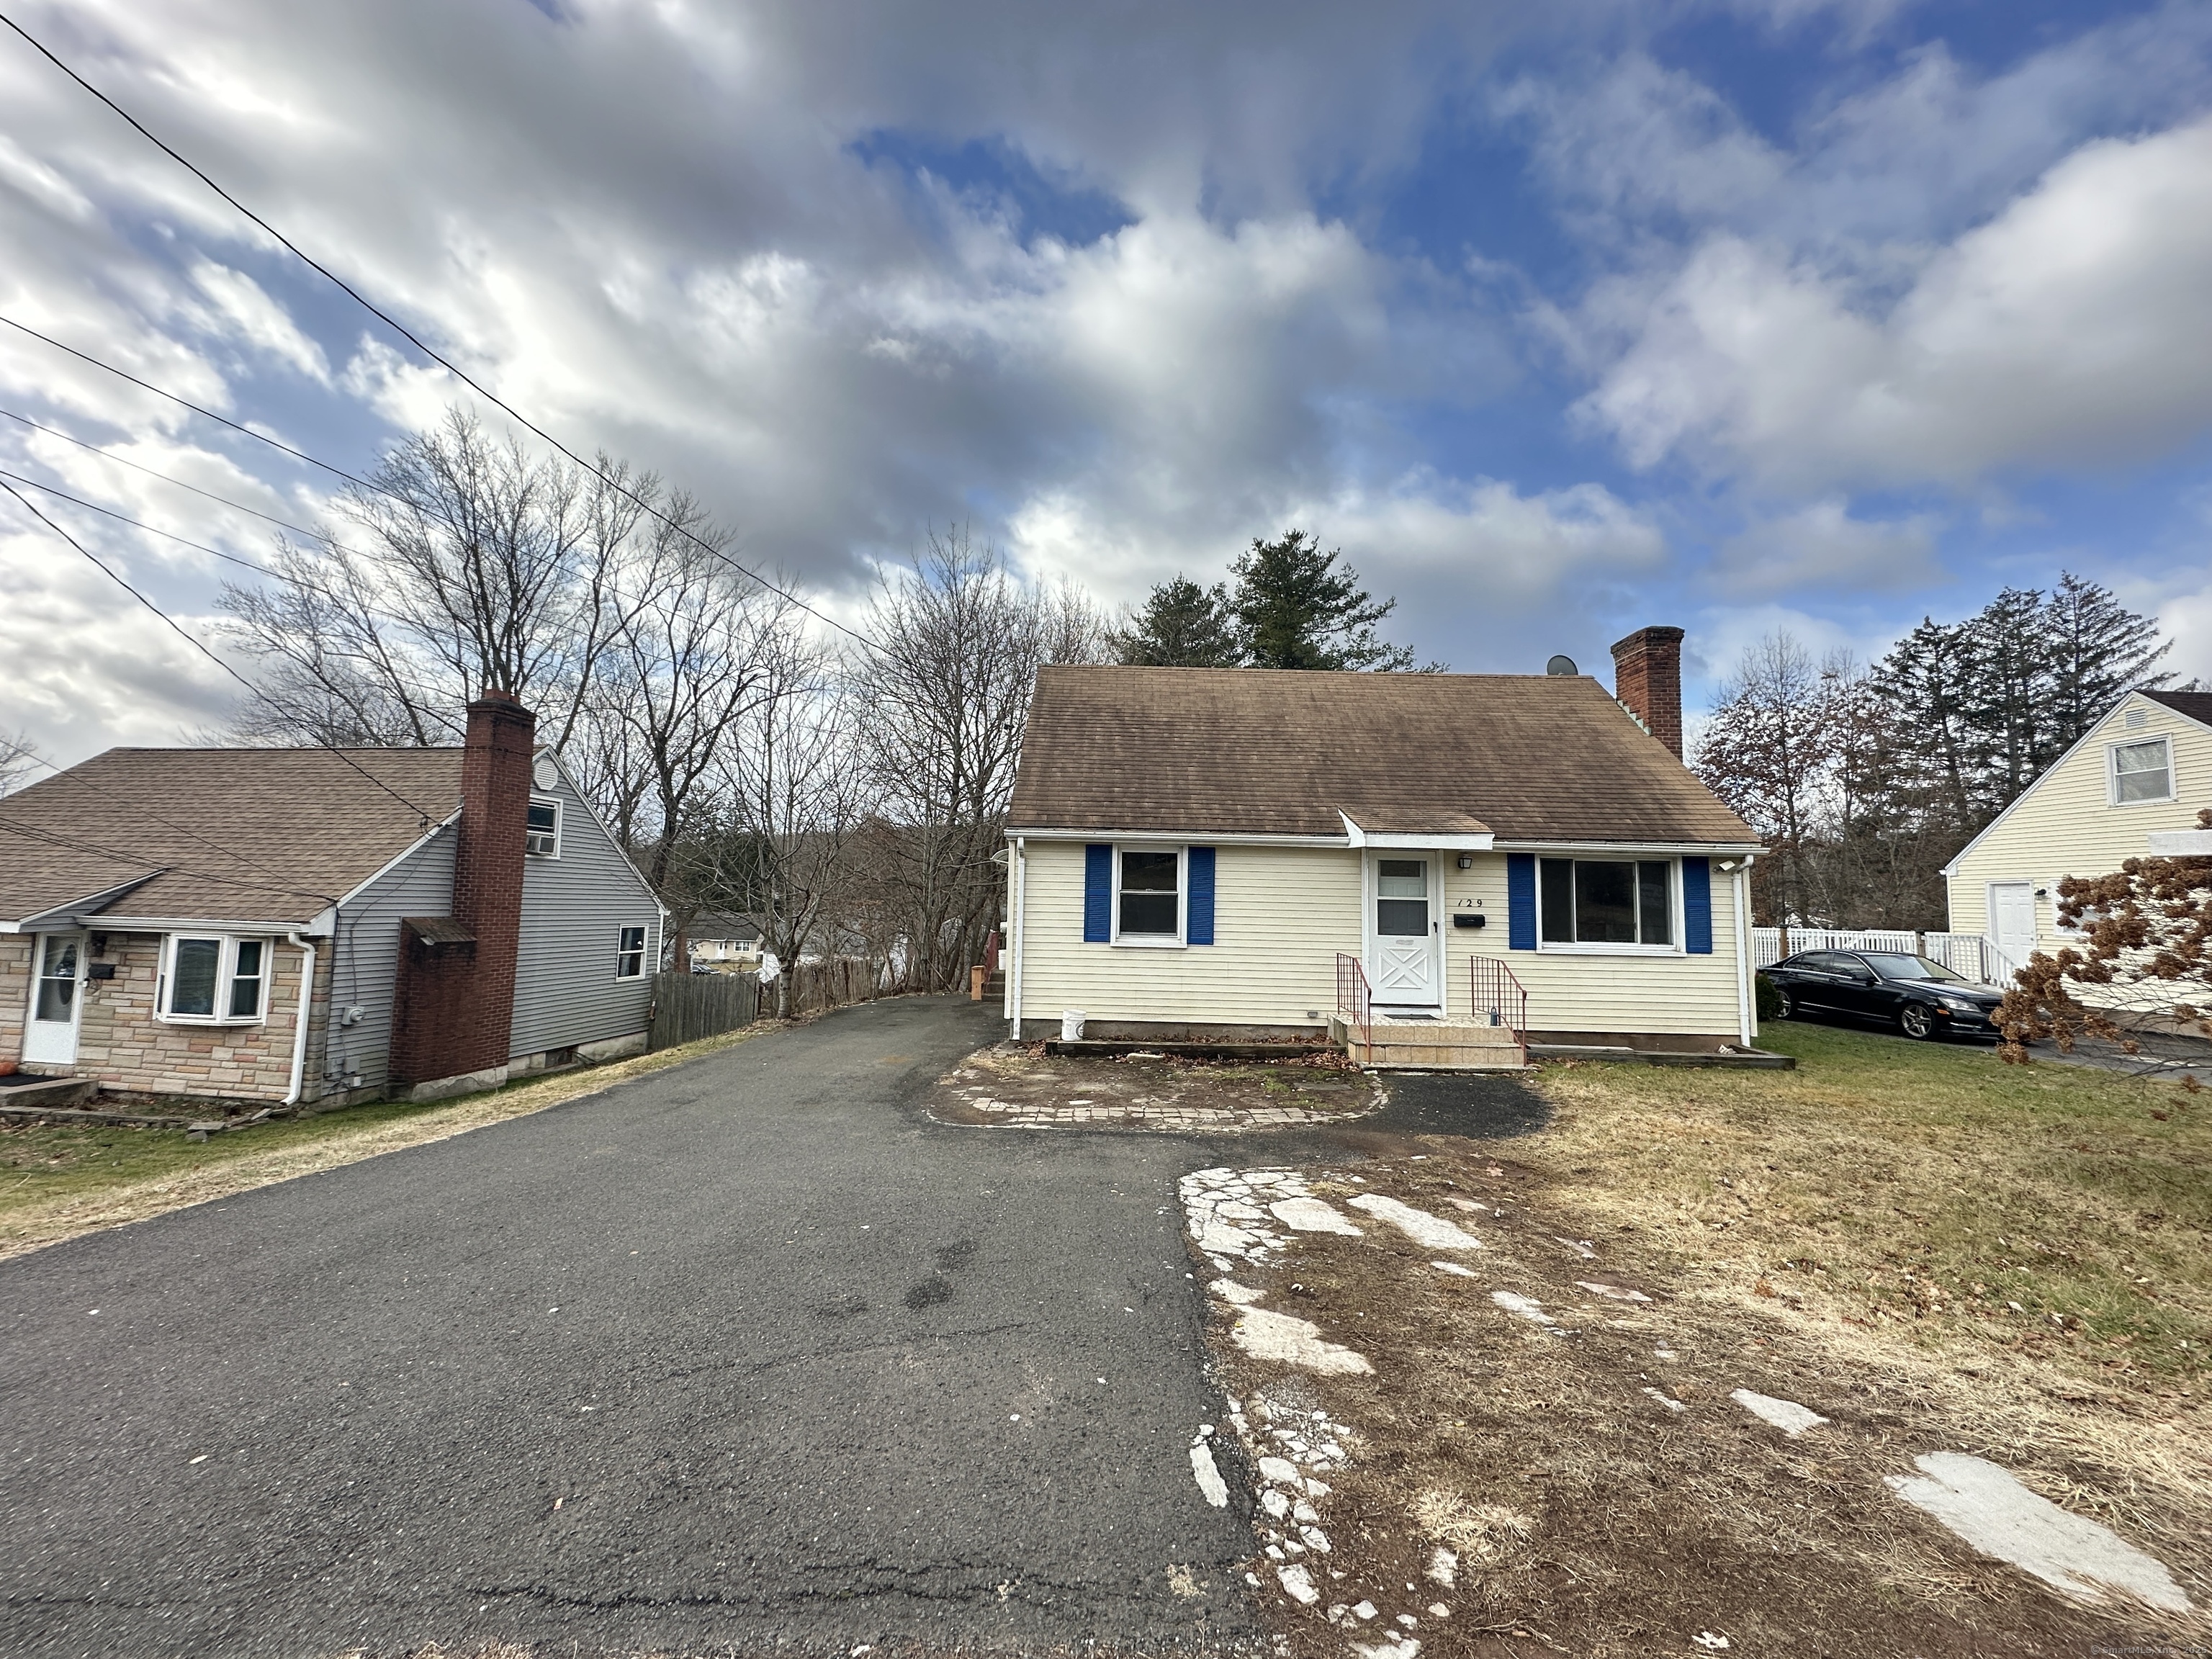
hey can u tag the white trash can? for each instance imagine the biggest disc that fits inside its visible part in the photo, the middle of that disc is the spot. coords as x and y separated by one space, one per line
1071 1025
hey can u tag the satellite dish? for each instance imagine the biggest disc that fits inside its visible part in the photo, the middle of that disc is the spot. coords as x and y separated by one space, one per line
1561 666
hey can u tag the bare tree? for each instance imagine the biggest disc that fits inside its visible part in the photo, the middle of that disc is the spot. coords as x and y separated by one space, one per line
1771 750
463 565
19 758
944 687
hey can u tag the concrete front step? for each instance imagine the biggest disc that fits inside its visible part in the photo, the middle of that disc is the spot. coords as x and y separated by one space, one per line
1439 1045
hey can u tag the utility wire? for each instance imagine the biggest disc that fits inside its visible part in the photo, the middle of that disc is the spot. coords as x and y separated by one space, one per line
109 454
186 403
32 508
409 335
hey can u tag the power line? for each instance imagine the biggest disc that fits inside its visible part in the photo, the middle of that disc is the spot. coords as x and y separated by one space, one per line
186 403
108 454
409 335
31 508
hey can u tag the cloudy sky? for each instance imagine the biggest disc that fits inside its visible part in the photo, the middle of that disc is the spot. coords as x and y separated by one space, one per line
1558 319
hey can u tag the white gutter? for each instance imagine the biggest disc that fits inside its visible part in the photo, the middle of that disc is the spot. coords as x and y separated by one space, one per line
300 1021
1021 927
1746 1007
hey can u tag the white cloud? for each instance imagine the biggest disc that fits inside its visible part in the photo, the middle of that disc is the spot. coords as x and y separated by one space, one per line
1822 546
2075 328
258 320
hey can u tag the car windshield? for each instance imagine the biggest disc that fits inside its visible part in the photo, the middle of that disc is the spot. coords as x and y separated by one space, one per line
1899 965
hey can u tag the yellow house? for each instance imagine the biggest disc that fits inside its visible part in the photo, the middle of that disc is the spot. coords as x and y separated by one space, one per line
2131 788
1198 853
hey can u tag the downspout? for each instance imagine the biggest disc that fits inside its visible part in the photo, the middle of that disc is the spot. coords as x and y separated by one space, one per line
1021 931
1746 1009
305 1015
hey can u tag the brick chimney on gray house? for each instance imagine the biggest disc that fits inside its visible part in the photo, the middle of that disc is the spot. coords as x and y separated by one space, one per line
453 1014
1647 677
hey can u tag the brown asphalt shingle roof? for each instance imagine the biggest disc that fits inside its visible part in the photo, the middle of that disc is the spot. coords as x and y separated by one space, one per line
2197 705
217 835
1256 751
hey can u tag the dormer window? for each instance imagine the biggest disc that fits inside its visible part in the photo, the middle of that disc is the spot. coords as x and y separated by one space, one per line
543 837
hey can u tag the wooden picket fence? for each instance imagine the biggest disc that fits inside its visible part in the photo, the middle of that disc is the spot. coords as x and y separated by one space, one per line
816 986
689 1006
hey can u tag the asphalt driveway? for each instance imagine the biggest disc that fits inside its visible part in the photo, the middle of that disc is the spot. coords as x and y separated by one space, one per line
743 1351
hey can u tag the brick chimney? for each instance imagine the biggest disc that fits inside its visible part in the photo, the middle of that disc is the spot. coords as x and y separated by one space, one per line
453 1011
1647 677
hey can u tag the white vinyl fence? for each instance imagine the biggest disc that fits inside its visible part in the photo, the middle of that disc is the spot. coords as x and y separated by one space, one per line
1967 954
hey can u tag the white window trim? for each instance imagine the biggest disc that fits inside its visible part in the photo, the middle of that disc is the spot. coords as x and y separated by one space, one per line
1677 915
644 950
553 801
225 972
2112 771
1150 941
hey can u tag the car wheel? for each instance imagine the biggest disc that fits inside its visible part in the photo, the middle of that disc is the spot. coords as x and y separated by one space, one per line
1917 1021
1785 1006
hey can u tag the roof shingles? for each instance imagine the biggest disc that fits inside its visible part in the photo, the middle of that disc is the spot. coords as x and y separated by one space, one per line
1256 751
218 835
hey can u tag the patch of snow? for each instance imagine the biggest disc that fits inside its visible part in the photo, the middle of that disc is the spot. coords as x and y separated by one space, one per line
1787 1415
1298 1582
1438 1610
1711 1640
1365 1609
1986 1506
1278 1504
1279 1469
1291 1341
1396 1646
1453 1268
1613 1291
1208 1475
1529 1309
1313 1215
1431 1232
1316 1539
1581 1247
1443 1568
1671 1405
1229 1290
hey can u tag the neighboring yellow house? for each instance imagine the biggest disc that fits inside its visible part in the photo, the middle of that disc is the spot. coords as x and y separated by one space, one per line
2131 788
1191 850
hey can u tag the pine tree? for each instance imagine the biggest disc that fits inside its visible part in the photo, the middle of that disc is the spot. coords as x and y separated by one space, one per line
2008 698
1183 625
2099 649
1295 608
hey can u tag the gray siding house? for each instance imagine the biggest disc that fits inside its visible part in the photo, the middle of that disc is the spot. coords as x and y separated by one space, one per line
300 927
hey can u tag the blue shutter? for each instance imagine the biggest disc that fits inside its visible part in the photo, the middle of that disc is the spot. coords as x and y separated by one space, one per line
1098 893
1521 901
1198 907
1697 907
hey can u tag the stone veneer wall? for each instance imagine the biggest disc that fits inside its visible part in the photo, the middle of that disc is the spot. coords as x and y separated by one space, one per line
122 1045
15 991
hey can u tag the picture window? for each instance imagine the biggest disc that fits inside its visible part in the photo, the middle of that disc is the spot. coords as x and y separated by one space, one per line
1606 902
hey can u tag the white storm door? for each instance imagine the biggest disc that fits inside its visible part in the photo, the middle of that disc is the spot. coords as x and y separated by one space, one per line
2012 922
1402 922
57 1000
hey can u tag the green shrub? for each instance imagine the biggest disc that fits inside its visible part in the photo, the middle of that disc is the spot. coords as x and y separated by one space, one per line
1766 998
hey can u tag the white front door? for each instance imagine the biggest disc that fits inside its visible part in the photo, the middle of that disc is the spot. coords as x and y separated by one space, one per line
2012 922
56 999
1403 936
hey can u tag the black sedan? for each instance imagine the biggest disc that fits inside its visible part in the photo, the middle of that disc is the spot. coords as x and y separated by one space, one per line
1920 997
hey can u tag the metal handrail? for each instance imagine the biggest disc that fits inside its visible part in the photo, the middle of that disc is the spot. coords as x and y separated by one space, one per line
1496 996
1354 999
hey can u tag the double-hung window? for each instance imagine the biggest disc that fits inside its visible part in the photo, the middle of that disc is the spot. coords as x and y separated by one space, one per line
214 977
542 839
1148 896
1627 902
630 953
2142 771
